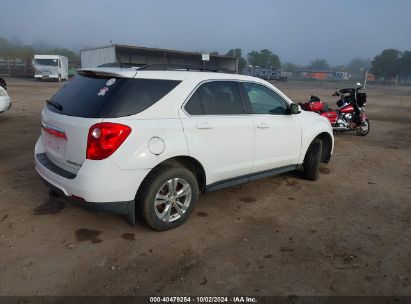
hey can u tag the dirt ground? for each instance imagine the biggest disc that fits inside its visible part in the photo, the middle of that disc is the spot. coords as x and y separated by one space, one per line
347 234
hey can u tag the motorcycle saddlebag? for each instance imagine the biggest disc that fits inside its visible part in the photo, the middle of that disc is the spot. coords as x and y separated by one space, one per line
361 99
316 106
331 116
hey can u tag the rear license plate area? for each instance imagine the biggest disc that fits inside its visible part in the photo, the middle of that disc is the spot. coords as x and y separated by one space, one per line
56 146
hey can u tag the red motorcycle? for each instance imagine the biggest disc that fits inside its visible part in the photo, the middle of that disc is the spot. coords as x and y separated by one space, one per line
350 114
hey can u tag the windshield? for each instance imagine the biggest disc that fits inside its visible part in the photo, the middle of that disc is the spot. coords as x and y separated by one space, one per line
109 96
49 62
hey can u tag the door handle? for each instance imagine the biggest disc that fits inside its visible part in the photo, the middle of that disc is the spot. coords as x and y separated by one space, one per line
204 125
262 125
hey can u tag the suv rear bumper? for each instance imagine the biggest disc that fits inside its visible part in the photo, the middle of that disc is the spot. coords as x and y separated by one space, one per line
98 185
126 209
94 183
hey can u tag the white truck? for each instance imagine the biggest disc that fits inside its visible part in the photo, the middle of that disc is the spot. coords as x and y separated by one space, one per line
53 67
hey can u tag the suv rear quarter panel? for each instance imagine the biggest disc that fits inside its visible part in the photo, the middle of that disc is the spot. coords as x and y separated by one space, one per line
134 153
159 120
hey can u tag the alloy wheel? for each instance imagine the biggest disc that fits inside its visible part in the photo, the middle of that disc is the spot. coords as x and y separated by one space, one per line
172 199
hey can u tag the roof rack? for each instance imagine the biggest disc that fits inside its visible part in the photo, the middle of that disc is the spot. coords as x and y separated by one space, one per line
182 67
118 65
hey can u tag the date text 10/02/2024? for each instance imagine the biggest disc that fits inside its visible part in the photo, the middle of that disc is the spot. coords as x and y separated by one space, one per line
208 299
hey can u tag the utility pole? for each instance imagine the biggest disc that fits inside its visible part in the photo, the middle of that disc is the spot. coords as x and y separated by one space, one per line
236 61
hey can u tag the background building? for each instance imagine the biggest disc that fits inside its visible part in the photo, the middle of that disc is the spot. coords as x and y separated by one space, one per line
324 75
139 56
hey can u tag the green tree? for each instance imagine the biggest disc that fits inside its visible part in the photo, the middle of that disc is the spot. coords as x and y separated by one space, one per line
291 67
24 52
5 47
253 58
27 51
241 61
339 68
405 64
386 64
264 58
319 64
8 49
359 65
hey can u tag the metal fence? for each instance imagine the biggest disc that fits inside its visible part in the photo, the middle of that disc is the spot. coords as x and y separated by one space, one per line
18 67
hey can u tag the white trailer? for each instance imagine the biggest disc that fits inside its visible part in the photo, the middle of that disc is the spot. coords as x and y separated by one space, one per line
50 67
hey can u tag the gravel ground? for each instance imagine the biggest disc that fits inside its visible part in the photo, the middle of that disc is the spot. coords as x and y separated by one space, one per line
347 234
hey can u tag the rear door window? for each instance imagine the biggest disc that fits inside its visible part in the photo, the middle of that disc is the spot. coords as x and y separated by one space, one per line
105 97
216 98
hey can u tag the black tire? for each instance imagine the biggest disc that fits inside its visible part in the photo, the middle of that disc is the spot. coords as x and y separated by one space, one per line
361 132
312 160
145 199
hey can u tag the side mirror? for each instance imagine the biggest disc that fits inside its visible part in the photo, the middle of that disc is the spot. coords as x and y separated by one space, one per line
295 108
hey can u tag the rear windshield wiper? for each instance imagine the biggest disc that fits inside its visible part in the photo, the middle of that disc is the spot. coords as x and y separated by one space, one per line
55 104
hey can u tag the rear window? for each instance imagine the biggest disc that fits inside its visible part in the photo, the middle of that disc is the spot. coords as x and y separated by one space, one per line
108 97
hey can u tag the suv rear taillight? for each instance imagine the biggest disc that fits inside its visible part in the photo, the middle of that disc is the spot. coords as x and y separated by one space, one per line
105 138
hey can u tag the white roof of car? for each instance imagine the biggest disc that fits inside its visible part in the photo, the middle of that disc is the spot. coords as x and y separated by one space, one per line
160 74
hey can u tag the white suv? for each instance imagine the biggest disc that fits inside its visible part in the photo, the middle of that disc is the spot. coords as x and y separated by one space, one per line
150 139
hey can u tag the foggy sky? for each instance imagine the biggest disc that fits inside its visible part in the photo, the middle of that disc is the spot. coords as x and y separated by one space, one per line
297 30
